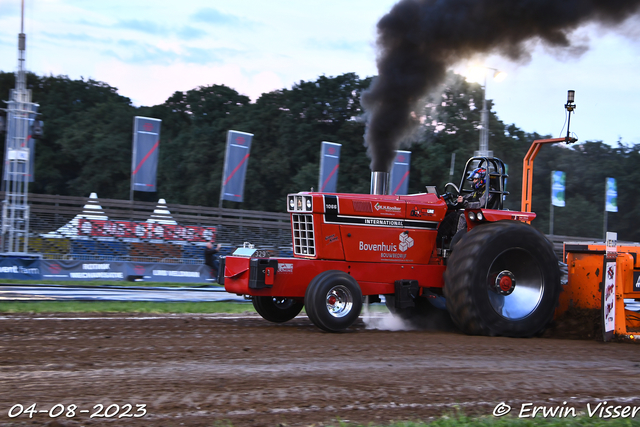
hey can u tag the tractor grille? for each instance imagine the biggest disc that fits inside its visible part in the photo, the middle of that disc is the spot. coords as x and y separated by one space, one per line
303 238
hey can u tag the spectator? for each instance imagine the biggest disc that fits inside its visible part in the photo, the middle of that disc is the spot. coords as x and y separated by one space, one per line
211 259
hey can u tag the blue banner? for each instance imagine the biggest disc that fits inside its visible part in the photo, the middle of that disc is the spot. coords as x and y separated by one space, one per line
399 182
144 163
329 163
121 270
611 204
235 165
558 180
20 268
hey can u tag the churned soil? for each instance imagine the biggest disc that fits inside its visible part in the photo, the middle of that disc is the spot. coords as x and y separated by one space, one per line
240 370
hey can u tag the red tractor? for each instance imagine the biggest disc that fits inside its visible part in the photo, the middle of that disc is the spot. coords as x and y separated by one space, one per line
498 276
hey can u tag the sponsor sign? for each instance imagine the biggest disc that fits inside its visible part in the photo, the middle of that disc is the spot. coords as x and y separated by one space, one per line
144 162
611 245
386 208
181 273
389 250
399 181
20 268
285 268
419 212
329 163
235 165
121 270
609 297
145 230
82 270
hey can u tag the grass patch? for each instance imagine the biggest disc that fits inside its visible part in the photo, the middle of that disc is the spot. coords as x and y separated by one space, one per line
123 307
491 421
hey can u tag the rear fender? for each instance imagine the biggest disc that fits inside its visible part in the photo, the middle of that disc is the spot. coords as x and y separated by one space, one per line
494 215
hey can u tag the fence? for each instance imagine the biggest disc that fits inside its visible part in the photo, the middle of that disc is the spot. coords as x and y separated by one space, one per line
55 219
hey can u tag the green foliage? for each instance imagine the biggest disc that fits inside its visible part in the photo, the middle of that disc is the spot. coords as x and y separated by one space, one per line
88 128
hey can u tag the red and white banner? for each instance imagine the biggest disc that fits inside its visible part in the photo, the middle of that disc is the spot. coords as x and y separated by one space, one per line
144 162
145 230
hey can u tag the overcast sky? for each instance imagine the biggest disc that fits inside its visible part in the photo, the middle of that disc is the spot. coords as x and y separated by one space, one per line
150 49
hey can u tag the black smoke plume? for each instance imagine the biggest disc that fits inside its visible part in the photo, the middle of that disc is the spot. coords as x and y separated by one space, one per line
418 40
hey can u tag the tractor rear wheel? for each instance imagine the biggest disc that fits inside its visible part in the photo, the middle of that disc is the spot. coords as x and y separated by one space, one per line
277 309
333 300
502 279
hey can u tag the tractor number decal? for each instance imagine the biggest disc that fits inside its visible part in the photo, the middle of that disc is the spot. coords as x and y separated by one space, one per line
331 205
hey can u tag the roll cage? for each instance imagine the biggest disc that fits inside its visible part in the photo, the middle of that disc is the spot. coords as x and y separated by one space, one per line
496 180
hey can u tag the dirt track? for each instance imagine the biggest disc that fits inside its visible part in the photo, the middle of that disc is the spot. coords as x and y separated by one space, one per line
199 370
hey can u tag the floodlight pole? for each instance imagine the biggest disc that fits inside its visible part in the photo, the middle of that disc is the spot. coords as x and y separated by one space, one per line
484 123
15 207
484 119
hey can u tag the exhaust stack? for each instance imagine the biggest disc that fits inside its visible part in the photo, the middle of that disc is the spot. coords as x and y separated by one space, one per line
380 183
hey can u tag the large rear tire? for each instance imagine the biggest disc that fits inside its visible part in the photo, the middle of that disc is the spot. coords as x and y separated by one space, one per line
333 301
502 279
277 309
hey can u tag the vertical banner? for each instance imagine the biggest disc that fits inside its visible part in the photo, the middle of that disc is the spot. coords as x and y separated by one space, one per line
611 203
399 182
558 180
235 165
609 289
144 162
329 162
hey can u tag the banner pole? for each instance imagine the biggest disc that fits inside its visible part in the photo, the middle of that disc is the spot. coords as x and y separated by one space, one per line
551 208
133 160
224 171
604 226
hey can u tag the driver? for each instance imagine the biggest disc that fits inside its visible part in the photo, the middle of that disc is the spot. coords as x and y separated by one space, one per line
478 198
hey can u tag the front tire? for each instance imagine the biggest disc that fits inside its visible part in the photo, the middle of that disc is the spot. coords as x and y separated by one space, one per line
502 279
333 301
277 309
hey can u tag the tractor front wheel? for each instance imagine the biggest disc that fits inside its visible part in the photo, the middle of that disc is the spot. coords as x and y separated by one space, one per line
502 279
277 309
333 301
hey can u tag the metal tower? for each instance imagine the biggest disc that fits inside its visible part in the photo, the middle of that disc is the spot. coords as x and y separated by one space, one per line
20 114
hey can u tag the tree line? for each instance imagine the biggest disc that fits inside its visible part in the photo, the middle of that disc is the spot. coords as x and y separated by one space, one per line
87 147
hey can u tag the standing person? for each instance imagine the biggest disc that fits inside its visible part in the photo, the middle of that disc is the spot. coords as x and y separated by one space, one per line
211 259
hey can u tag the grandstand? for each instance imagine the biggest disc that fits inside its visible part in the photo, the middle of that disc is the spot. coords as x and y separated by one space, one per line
77 228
